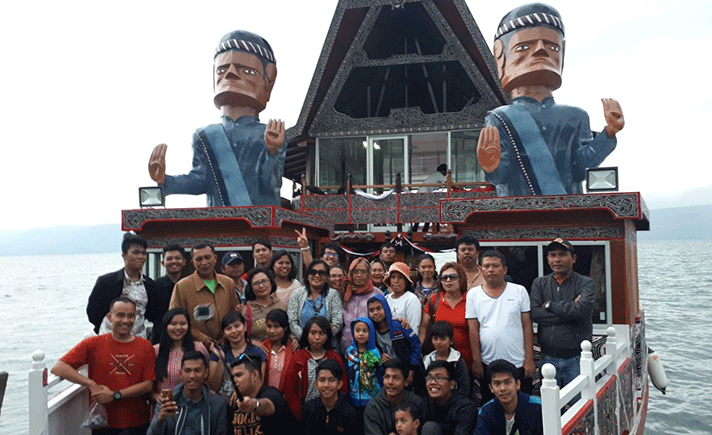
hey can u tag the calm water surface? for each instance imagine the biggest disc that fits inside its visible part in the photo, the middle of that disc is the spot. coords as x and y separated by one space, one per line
44 297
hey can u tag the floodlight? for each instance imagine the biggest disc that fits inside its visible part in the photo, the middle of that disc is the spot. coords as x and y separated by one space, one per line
602 179
151 196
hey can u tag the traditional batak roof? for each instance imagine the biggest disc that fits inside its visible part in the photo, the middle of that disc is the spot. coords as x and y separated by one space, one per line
396 67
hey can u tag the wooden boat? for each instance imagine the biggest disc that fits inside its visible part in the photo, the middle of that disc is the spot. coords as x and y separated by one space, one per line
399 88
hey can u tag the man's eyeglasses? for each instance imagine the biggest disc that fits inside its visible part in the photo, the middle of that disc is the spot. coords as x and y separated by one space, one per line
359 272
261 283
331 254
437 379
318 272
450 277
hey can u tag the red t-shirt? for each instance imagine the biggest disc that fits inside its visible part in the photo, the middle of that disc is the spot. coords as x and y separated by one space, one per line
118 366
455 317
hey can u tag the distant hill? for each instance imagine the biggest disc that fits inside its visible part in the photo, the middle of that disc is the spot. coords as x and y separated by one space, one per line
94 239
677 223
680 223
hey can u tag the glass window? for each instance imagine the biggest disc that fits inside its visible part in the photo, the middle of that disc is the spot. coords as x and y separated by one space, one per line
388 160
465 167
427 152
522 263
340 157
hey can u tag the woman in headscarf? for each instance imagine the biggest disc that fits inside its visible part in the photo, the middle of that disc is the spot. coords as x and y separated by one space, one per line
359 289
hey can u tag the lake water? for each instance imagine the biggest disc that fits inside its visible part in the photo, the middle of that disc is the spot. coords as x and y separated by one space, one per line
44 297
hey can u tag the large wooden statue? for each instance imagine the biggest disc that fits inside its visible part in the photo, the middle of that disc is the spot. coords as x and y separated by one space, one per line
239 161
534 146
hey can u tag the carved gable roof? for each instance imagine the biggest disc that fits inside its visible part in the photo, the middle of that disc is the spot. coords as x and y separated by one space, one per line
396 67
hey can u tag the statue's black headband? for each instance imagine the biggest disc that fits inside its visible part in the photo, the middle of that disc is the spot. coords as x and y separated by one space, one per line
248 42
533 15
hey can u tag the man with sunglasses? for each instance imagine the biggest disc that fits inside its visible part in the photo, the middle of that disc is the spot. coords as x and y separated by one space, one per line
260 409
446 411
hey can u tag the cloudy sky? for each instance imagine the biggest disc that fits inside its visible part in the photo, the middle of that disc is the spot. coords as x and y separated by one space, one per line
89 88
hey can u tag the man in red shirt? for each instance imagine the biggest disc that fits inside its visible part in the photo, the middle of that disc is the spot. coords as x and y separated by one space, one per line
121 371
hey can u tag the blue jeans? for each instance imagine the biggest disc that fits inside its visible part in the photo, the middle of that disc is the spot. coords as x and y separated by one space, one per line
566 368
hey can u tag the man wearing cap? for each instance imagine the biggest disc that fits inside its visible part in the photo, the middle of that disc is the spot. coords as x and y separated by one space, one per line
233 265
562 305
239 161
534 146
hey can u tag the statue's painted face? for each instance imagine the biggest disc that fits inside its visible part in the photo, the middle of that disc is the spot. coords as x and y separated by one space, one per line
534 57
240 80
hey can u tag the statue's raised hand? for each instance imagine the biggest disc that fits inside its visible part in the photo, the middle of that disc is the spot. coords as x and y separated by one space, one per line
489 151
157 164
613 114
274 135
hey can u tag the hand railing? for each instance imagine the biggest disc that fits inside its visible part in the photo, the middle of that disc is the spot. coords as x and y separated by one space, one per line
585 385
62 412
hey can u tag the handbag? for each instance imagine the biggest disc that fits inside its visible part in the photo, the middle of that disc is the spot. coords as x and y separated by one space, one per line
432 309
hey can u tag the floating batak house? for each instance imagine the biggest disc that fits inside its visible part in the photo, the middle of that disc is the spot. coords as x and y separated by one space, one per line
400 88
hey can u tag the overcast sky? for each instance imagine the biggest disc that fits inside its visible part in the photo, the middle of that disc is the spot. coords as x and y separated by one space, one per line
89 88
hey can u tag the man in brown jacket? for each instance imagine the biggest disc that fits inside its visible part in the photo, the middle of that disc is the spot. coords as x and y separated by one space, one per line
206 295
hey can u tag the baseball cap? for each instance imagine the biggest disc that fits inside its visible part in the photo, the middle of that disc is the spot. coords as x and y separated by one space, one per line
231 257
560 243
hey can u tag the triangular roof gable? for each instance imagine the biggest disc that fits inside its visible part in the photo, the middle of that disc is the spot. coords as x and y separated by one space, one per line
356 74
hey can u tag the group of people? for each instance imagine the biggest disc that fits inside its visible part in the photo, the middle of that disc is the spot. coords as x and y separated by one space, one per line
352 350
357 348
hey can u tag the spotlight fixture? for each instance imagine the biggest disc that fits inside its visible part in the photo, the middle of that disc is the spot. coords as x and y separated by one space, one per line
602 179
151 196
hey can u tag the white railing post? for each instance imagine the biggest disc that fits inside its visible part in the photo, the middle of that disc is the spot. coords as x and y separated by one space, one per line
550 406
37 381
589 390
612 350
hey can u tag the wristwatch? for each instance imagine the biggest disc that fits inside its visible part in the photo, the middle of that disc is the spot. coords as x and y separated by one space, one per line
257 405
547 304
117 395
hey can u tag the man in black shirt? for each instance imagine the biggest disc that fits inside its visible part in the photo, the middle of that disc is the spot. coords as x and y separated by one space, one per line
262 409
330 413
